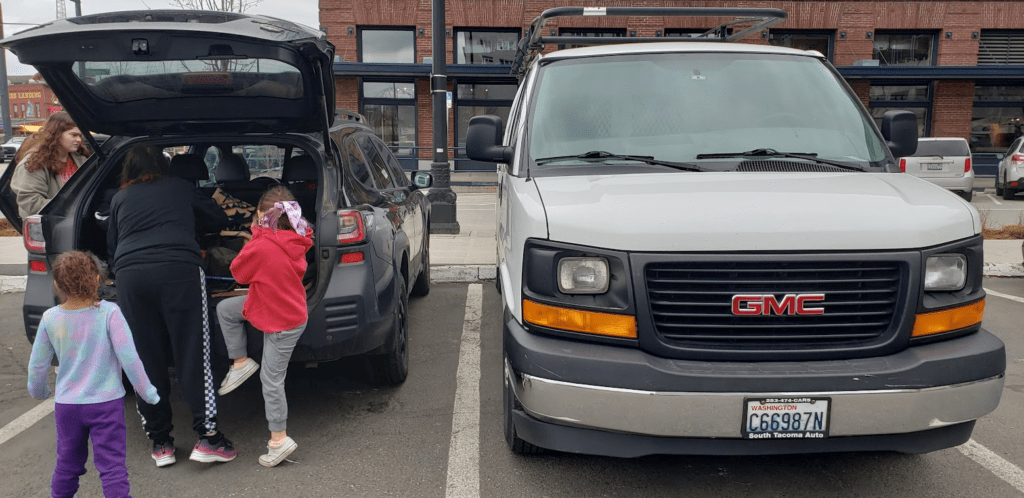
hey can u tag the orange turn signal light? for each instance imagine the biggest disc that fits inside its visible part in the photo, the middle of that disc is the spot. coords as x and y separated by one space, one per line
948 320
589 322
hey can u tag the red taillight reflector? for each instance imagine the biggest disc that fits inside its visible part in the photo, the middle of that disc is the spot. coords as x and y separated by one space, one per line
351 257
967 165
903 165
350 227
37 266
1017 158
32 234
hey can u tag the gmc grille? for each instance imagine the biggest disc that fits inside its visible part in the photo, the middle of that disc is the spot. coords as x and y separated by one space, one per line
691 303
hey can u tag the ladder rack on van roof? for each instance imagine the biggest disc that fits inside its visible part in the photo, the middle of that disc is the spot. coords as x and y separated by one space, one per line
533 43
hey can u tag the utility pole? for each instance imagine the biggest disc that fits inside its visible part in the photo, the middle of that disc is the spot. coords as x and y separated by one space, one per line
5 100
442 199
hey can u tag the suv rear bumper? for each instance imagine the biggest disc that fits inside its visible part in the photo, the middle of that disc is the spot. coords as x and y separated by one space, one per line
619 401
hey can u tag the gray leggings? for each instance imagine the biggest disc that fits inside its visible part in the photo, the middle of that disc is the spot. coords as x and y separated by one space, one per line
277 350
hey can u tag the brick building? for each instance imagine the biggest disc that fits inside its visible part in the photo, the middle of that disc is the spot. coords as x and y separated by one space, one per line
31 103
958 65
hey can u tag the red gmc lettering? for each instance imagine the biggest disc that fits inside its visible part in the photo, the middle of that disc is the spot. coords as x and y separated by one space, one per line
768 304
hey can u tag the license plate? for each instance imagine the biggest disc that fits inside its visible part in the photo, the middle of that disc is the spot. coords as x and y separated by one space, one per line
933 167
786 418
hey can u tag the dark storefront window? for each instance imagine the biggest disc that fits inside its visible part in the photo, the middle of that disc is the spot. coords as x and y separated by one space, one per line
914 98
475 99
589 32
485 47
387 45
904 49
998 117
390 109
820 41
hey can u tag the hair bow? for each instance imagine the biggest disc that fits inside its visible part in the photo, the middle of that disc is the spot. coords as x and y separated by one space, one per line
290 209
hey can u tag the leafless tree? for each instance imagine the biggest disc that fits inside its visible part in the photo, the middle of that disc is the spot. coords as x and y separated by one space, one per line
221 5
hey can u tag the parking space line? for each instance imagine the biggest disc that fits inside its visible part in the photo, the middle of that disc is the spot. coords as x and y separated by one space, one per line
464 449
995 464
1005 296
990 196
26 420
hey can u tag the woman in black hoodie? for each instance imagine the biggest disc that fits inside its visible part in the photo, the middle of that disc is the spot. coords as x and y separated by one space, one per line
162 294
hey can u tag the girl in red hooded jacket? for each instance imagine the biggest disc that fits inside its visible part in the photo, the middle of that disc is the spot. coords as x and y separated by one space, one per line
272 263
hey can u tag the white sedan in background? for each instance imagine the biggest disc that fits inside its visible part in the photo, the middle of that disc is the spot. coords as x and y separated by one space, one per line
945 162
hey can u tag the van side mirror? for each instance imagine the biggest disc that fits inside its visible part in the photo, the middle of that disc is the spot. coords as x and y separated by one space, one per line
899 129
483 140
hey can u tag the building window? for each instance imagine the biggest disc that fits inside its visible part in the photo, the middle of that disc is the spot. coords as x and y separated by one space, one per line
37 111
820 41
390 109
904 49
480 46
476 99
690 32
387 45
998 116
589 33
916 98
1000 47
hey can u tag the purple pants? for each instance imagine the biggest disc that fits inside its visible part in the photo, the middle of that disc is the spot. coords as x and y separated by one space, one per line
104 424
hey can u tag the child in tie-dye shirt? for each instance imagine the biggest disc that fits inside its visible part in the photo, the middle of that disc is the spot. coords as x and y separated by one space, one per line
93 345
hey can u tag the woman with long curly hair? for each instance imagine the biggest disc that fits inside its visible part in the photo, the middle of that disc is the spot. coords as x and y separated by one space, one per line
44 169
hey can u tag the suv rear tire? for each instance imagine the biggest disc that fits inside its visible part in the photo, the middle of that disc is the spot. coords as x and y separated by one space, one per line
392 368
422 286
1008 193
967 195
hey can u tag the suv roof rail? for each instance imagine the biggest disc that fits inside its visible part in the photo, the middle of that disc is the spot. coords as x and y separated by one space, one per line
349 115
532 44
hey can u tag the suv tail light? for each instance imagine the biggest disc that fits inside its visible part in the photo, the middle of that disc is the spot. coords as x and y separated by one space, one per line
32 232
967 165
350 227
903 165
1017 158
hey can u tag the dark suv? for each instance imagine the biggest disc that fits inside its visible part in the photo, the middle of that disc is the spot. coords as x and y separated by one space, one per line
246 102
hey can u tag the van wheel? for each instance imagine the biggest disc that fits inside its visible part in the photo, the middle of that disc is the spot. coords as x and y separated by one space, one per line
517 445
422 285
392 368
967 195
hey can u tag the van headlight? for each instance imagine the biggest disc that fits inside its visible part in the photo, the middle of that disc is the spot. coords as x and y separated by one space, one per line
945 272
586 275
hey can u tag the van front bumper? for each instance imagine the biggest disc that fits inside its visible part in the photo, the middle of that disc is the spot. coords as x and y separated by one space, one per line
601 399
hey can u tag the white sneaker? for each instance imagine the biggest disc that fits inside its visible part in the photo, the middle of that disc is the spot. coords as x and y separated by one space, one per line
237 375
277 455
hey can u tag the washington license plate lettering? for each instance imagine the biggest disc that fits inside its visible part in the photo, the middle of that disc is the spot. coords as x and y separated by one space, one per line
786 418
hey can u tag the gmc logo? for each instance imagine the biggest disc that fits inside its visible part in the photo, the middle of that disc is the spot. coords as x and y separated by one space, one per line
767 304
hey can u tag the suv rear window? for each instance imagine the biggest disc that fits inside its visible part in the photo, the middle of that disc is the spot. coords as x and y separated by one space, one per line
942 148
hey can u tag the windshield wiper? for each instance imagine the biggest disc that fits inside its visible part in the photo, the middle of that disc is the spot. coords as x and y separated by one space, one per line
600 154
810 156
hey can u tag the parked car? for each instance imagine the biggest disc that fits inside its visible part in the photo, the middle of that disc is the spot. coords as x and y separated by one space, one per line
945 162
708 248
10 148
212 84
1010 175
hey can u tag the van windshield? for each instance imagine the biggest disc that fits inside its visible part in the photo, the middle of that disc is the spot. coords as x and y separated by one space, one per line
676 106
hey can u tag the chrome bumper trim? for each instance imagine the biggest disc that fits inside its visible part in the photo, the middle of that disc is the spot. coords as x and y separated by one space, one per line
719 415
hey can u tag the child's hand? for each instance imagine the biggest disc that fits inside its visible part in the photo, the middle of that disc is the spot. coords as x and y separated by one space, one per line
150 396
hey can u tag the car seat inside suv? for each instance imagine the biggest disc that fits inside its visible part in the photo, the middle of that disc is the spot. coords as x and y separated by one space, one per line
299 174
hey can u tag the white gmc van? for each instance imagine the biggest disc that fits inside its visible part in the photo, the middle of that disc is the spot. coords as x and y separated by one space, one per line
706 247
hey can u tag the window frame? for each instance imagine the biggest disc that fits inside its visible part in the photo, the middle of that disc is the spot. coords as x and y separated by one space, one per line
831 34
906 104
392 101
933 58
571 31
458 102
359 40
988 104
455 40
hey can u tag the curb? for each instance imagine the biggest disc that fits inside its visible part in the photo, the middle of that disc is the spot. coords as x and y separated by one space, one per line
441 274
447 274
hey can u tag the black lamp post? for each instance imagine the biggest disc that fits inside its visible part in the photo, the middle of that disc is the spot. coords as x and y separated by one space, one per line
442 199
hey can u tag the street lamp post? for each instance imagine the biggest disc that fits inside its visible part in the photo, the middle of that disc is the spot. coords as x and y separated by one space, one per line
442 200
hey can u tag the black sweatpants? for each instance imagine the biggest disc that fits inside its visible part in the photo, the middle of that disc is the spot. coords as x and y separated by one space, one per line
165 306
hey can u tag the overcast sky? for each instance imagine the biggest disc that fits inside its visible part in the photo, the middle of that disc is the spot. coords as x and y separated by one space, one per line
42 11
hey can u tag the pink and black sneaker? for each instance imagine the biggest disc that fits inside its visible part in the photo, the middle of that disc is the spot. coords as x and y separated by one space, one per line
163 453
211 449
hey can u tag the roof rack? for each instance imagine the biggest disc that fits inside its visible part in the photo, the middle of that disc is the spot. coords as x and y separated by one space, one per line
532 44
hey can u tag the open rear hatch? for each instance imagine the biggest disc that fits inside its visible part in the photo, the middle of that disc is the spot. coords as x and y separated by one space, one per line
183 72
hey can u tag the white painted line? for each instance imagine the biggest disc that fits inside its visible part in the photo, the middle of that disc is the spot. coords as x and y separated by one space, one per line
1005 296
994 463
464 450
990 196
26 420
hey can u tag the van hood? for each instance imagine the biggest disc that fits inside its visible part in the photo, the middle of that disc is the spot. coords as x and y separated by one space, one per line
733 211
